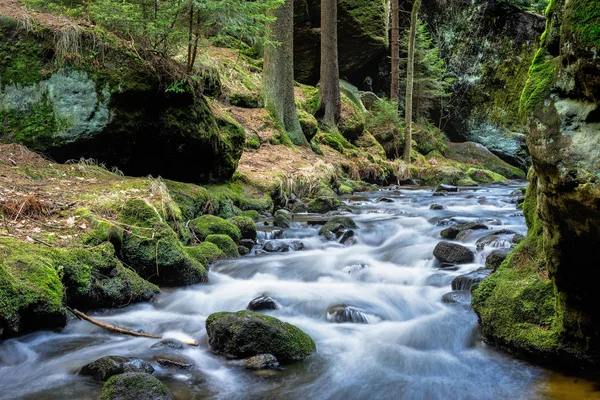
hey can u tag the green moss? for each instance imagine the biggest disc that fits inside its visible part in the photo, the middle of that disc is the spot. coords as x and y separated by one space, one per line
428 138
205 253
206 225
484 176
95 278
252 214
353 120
31 288
321 205
245 333
585 22
246 226
153 249
344 189
134 385
225 244
309 124
542 75
370 17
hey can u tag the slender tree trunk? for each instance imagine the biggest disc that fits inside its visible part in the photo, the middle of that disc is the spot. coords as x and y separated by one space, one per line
330 72
278 73
395 43
410 76
190 36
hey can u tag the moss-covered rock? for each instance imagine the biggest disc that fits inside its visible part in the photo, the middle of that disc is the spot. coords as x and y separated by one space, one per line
225 244
484 176
283 219
105 367
337 224
246 226
345 189
246 333
31 289
352 119
309 124
115 108
95 278
477 154
206 225
134 386
205 253
153 249
321 205
551 313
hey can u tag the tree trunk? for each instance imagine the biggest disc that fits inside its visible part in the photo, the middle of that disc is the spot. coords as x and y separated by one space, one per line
395 43
278 72
330 73
410 76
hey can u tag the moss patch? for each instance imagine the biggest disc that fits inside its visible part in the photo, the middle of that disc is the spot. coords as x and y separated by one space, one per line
225 244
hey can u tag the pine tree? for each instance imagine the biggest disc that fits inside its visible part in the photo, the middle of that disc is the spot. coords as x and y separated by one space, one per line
410 71
278 73
330 74
395 44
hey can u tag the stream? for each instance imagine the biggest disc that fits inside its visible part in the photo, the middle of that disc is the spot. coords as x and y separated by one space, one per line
410 344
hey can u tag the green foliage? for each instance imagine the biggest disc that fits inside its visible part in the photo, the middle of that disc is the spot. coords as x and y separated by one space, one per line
530 5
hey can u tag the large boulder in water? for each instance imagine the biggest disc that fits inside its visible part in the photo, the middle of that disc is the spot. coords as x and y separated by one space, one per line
452 253
496 258
105 367
246 333
116 109
134 386
471 280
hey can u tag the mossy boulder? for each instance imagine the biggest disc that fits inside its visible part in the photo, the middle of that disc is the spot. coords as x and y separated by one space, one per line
283 219
321 205
95 278
103 368
484 176
225 244
246 226
352 119
206 225
309 124
134 386
30 287
477 154
336 226
153 249
115 109
345 190
205 253
246 334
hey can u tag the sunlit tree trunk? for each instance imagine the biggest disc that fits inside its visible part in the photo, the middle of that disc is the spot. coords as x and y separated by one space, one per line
278 72
330 74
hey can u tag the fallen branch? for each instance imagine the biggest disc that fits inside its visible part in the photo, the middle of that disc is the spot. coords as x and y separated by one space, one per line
123 331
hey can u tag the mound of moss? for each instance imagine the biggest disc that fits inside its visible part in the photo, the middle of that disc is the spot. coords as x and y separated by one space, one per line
134 385
225 244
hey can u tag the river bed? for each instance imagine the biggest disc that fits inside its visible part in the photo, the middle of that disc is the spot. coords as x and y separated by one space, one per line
414 346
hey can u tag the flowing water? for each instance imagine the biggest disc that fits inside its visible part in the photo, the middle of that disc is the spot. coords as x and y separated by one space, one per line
405 343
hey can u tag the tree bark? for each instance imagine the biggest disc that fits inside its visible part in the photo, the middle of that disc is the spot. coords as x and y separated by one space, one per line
410 76
395 44
278 73
330 73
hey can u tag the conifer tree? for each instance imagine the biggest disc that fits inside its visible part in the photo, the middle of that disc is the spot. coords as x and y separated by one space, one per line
278 72
330 74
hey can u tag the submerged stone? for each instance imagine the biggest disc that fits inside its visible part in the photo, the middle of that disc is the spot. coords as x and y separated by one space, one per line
105 367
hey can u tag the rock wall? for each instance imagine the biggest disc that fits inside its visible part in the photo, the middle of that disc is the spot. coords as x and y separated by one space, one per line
362 36
76 93
562 98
